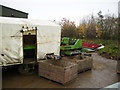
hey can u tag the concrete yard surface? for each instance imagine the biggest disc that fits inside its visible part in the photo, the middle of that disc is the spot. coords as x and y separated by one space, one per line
102 75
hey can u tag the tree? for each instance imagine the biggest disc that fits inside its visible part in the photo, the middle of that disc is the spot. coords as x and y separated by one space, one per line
68 28
87 27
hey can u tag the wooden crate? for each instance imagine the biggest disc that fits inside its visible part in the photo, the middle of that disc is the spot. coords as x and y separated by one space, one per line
86 64
83 64
58 70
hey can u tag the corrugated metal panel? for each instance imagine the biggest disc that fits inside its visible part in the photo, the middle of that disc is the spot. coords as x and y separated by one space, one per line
10 12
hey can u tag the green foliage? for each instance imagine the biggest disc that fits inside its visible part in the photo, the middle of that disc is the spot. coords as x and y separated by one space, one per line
102 27
110 50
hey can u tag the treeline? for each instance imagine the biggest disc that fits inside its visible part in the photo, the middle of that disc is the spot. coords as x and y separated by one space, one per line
100 27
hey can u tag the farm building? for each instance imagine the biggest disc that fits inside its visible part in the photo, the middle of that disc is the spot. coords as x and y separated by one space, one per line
10 12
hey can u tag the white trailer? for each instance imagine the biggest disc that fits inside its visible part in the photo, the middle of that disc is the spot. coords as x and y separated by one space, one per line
18 35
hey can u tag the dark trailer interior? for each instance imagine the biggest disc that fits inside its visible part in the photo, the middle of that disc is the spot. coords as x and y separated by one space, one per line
30 46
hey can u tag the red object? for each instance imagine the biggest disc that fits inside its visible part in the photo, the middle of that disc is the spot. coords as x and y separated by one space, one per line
89 45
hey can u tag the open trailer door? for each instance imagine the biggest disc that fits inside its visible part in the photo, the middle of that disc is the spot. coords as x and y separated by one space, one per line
29 37
30 46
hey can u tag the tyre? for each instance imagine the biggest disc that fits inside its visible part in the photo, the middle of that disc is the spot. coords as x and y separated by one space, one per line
26 69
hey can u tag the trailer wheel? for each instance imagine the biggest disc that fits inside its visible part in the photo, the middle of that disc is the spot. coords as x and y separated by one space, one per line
26 69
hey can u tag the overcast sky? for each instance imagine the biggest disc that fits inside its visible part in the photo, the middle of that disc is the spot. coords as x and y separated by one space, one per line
74 10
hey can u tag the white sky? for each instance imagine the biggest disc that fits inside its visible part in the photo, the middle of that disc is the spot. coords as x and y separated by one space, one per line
74 10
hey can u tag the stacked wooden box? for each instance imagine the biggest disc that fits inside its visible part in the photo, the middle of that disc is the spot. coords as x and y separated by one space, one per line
58 70
83 64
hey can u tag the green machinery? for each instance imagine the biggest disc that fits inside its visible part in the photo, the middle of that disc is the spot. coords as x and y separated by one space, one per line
71 46
29 47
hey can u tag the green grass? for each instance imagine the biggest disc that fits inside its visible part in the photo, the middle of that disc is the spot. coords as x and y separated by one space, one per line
111 49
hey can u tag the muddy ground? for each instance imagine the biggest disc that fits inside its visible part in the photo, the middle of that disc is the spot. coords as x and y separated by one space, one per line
102 74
